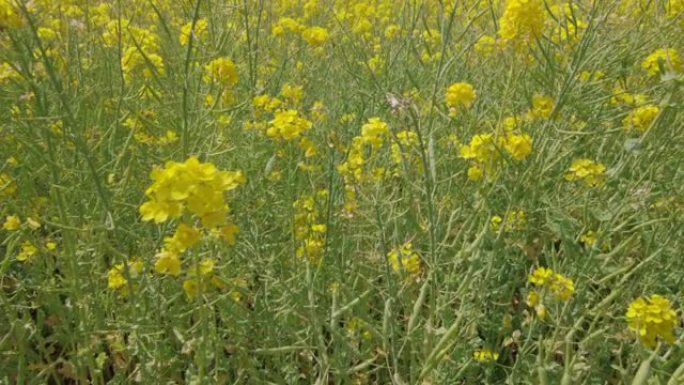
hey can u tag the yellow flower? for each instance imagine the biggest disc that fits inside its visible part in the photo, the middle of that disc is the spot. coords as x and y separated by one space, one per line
482 148
198 34
458 96
376 64
287 125
669 58
221 71
404 259
12 223
652 318
518 147
374 131
592 173
7 186
293 93
522 20
239 285
285 24
563 288
588 238
485 355
542 106
641 118
560 286
32 223
587 76
475 173
27 251
192 185
199 277
533 298
315 36
312 249
265 103
9 15
184 238
167 263
515 220
540 276
116 277
486 45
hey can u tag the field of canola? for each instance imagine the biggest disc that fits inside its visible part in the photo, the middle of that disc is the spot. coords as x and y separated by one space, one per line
406 192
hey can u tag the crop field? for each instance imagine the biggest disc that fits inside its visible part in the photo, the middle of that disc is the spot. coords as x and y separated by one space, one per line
402 192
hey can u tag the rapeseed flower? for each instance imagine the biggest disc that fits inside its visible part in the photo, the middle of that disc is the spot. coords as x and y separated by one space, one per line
193 186
221 71
199 33
559 286
653 319
518 146
667 57
404 260
287 125
374 132
12 223
640 118
315 36
522 20
9 15
116 277
28 250
542 107
168 263
485 355
7 186
586 170
459 96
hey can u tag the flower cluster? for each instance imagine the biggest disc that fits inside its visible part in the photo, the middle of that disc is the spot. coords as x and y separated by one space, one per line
561 287
667 58
459 96
400 151
547 281
485 151
28 250
199 33
118 275
12 223
374 134
201 278
640 118
142 55
565 24
485 355
7 186
542 107
514 220
9 15
198 189
404 260
652 318
586 170
193 186
221 72
287 125
522 20
315 36
309 232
